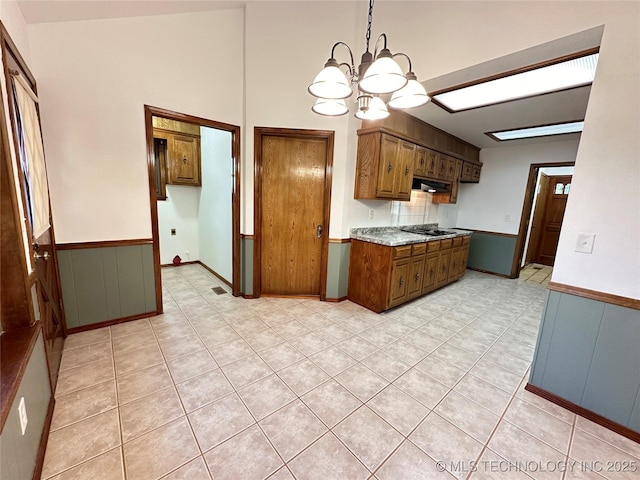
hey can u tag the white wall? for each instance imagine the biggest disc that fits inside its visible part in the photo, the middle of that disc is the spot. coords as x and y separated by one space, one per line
93 85
95 77
505 170
179 211
14 22
214 215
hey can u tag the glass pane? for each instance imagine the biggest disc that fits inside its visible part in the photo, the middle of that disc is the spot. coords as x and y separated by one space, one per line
567 187
559 188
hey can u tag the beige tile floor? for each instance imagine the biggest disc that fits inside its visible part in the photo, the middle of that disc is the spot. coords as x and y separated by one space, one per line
226 388
536 273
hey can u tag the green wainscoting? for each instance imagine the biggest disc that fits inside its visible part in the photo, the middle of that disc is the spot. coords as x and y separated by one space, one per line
246 265
18 452
106 283
338 270
492 252
587 353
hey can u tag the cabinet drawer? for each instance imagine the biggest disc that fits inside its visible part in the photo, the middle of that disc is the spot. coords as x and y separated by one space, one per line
456 242
402 251
433 246
466 239
419 248
445 244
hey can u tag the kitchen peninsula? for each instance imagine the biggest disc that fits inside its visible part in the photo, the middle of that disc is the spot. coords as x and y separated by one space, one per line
389 265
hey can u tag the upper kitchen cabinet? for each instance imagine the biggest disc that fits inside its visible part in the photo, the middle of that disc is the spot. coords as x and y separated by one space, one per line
384 168
394 150
182 162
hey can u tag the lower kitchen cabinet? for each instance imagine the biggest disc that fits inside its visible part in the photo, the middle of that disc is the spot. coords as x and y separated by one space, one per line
382 277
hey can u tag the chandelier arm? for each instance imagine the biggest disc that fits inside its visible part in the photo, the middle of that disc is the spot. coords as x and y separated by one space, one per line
405 56
349 68
352 67
384 37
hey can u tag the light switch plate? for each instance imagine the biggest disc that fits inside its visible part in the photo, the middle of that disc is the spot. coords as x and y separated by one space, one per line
584 242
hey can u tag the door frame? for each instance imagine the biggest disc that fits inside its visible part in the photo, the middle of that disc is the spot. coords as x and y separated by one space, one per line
527 206
150 112
259 133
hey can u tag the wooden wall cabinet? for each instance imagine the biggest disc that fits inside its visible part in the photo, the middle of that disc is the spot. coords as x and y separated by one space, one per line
384 168
383 277
452 195
470 172
420 163
182 157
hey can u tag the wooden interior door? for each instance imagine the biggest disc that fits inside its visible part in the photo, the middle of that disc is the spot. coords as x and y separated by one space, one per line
293 186
555 205
536 222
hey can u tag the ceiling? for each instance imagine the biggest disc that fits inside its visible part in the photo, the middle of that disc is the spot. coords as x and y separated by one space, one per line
469 125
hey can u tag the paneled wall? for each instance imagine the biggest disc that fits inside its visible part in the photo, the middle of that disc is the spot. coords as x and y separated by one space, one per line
106 283
587 353
338 270
18 452
491 252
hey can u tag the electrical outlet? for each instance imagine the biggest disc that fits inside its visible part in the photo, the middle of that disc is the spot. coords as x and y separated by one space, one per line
173 231
507 218
22 412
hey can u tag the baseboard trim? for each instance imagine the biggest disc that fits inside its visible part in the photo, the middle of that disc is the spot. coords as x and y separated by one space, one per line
213 272
585 413
44 438
487 271
336 300
192 262
595 295
248 296
108 323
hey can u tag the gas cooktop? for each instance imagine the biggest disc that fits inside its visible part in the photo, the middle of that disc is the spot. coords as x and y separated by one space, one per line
420 230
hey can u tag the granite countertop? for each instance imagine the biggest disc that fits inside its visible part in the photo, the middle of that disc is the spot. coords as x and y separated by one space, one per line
393 236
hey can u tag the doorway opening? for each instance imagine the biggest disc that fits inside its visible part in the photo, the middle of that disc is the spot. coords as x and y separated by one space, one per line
548 188
292 201
194 187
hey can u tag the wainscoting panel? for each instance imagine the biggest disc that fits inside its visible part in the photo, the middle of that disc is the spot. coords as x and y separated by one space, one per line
106 283
18 453
246 265
338 269
491 252
587 353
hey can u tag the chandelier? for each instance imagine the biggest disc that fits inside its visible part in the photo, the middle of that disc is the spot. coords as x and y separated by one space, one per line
372 78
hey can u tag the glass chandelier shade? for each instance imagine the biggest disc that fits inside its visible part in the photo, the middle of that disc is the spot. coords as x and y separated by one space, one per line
330 107
371 108
383 76
411 95
331 82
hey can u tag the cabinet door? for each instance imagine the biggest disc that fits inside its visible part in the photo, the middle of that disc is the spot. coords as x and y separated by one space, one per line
389 153
430 273
475 176
184 160
454 266
443 268
442 167
404 171
433 162
399 281
415 277
467 172
450 173
455 185
420 161
464 255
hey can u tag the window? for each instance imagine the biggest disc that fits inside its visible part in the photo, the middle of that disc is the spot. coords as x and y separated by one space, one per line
539 131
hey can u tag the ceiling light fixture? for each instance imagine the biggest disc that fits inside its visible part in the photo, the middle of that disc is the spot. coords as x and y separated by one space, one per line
372 79
554 76
538 131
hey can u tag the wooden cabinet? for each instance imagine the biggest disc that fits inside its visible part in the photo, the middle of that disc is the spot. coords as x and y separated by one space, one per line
433 164
184 160
181 158
384 167
470 172
383 277
452 195
420 161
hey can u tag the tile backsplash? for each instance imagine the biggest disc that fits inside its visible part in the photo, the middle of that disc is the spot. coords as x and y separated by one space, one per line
417 211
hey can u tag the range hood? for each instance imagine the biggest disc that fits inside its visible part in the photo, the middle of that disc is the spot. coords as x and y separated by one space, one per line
430 186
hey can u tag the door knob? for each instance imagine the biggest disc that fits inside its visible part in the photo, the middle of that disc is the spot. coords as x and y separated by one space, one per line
319 231
44 256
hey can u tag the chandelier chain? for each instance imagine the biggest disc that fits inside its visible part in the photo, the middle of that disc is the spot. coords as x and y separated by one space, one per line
369 21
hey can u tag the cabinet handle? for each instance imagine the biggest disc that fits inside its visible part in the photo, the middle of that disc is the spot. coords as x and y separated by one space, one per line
417 277
406 171
389 167
431 272
184 160
422 161
401 281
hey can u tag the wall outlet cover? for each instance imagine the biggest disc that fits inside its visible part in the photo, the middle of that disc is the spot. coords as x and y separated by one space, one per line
22 412
584 242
